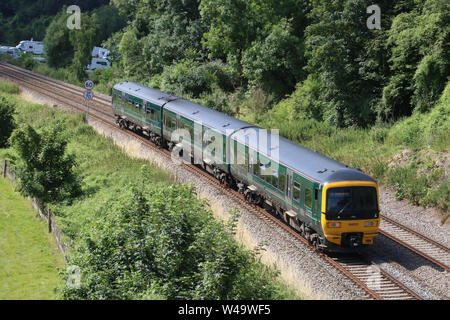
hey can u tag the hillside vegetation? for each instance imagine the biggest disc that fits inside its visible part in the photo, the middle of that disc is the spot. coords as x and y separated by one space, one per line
311 68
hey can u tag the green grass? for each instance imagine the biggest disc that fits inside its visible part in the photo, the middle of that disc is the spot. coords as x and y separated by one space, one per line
29 256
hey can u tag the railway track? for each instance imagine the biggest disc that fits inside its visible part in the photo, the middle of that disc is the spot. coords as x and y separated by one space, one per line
376 283
421 245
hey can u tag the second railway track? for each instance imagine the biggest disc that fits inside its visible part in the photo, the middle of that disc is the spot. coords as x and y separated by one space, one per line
376 283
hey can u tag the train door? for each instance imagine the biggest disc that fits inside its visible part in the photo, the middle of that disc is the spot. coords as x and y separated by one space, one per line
296 193
316 203
289 181
309 199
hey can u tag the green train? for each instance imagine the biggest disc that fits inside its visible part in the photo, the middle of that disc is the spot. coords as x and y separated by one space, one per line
333 206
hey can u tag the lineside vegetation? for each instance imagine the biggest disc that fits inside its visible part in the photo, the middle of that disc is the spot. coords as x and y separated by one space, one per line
134 234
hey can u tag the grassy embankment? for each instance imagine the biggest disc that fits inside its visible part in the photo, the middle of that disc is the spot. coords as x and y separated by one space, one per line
105 170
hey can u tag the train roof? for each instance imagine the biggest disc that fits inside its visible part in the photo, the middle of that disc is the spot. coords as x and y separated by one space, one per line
306 162
309 163
151 95
206 116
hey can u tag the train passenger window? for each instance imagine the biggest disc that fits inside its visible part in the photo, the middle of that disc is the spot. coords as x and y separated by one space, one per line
316 200
256 168
246 161
170 122
268 178
275 179
282 180
297 189
308 197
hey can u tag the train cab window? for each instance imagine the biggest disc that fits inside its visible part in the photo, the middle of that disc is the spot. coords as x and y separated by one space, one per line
308 197
297 190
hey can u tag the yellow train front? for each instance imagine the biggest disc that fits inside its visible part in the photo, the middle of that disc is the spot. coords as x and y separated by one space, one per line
350 214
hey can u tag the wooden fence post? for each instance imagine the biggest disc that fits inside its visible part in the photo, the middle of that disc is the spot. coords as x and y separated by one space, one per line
4 169
49 215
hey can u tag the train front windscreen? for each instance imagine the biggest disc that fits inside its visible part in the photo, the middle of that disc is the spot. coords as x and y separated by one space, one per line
347 203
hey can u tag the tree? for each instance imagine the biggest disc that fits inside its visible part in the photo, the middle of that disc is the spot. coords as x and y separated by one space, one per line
419 44
347 59
43 168
7 121
275 63
58 48
83 40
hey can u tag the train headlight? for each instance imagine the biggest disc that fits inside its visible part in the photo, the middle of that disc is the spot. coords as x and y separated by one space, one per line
369 224
334 224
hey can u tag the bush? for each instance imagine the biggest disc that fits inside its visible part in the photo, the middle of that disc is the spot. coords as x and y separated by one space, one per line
161 242
27 61
44 170
192 78
423 129
429 81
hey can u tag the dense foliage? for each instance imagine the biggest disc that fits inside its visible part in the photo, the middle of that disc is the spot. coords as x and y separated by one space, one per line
224 52
320 50
153 242
26 19
306 67
43 169
8 123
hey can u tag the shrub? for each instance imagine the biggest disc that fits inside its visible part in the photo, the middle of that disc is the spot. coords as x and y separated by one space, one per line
7 121
44 170
162 242
192 78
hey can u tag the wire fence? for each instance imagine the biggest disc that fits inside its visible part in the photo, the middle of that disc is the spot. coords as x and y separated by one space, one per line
43 211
